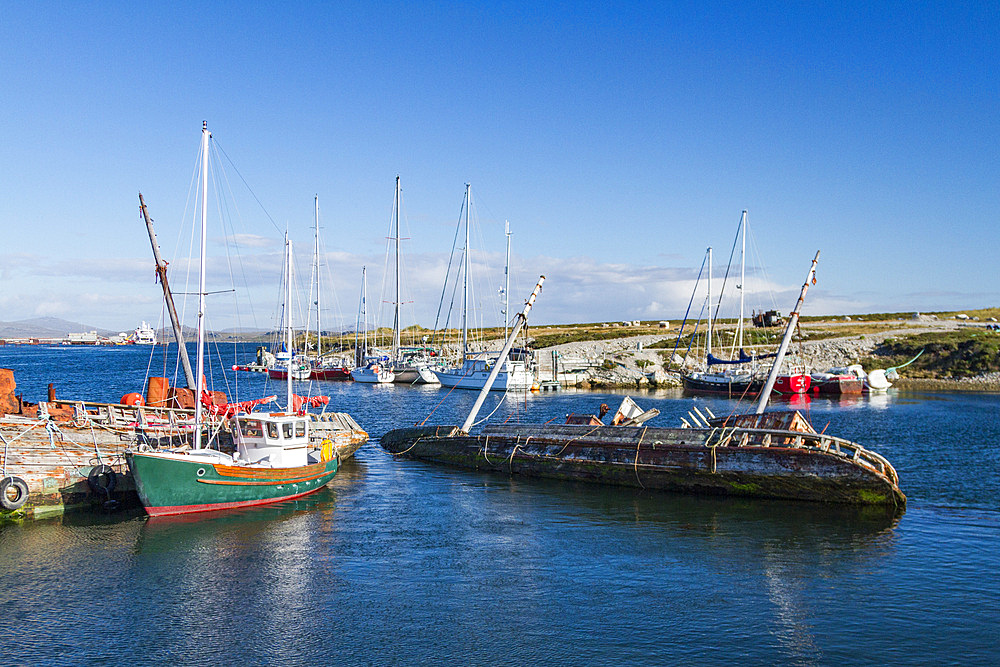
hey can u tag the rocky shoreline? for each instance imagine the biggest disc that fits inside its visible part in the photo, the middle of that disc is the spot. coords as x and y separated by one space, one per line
628 362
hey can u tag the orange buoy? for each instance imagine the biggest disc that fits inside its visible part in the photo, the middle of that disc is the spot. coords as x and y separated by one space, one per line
134 398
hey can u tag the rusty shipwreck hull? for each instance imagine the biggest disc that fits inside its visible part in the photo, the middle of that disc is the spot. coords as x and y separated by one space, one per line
752 462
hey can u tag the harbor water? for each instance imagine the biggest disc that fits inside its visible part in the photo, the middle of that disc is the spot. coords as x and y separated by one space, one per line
401 562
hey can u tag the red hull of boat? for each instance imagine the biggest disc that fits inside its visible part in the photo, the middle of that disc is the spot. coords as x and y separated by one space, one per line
792 384
845 384
330 374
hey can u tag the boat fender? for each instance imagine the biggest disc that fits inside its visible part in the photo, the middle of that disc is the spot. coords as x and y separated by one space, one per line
13 492
132 399
102 479
327 451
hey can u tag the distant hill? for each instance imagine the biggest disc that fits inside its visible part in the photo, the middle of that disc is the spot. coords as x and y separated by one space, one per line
46 327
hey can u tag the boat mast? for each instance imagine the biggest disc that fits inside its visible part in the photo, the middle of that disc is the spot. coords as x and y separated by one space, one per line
316 265
743 256
465 276
357 325
708 344
395 320
793 319
288 318
522 317
168 297
200 378
506 280
364 313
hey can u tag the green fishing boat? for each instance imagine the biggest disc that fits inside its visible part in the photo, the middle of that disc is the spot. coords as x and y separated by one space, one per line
273 460
269 457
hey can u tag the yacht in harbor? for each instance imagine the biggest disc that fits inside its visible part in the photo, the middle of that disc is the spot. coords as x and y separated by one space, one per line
143 335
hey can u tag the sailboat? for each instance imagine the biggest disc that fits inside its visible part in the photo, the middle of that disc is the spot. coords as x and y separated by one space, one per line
476 368
288 365
273 458
741 376
323 367
370 369
411 364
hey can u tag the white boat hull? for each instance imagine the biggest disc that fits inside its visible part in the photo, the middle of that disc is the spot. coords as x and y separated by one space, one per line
371 376
474 375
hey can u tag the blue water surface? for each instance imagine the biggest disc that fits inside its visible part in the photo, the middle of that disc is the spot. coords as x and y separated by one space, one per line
402 562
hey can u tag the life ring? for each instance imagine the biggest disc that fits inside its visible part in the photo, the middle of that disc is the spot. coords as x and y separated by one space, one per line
375 369
13 492
102 479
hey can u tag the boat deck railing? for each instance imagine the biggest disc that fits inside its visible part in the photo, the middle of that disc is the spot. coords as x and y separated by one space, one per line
117 415
829 444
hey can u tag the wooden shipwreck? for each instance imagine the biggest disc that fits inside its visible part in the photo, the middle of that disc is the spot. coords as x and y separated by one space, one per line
768 455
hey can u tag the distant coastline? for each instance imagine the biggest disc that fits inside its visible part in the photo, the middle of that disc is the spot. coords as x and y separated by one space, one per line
958 350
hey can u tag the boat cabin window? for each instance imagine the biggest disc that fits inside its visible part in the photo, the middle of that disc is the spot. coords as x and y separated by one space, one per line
286 429
252 429
300 429
272 430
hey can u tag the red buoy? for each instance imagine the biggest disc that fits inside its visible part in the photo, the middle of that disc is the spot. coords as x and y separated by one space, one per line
133 399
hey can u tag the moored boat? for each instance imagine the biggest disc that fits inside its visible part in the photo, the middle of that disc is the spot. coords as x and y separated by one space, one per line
300 369
475 370
143 335
329 372
838 381
273 460
502 371
374 372
722 383
792 383
272 456
735 384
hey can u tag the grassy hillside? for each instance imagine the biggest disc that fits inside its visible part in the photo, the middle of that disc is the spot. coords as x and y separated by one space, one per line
962 353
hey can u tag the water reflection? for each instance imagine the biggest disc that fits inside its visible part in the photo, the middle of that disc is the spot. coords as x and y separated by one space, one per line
223 532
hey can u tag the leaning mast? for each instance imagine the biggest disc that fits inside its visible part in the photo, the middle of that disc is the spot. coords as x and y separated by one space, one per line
168 297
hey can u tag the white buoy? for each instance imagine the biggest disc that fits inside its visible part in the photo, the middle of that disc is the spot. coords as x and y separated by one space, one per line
877 381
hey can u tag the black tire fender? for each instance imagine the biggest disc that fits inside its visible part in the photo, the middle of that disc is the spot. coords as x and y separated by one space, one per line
13 492
102 479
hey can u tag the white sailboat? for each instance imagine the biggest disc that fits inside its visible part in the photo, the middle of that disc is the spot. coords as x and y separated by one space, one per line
411 364
287 365
476 368
742 374
323 367
370 369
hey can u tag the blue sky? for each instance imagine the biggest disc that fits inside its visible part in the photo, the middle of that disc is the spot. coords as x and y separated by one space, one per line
619 140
